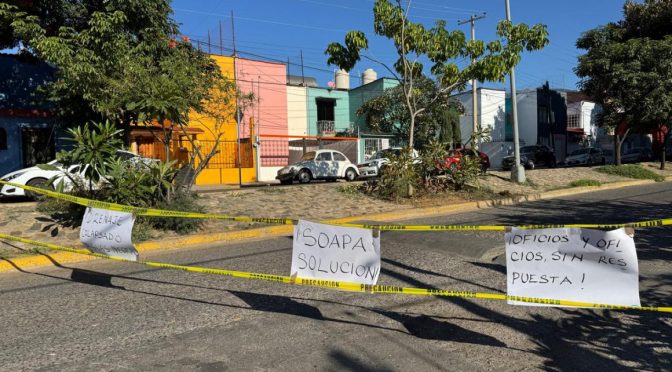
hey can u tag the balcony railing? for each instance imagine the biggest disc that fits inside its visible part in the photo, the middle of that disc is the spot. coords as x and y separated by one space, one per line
326 127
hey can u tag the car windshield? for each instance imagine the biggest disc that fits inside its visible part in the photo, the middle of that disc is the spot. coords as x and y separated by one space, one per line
308 156
579 152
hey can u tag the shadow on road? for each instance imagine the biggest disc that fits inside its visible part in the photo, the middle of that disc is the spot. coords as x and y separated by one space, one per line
586 339
428 328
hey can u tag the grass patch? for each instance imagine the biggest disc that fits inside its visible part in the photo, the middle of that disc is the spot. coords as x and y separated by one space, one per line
530 183
349 189
272 190
38 250
585 182
631 171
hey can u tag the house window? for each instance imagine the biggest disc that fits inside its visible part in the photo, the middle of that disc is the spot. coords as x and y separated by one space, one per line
3 139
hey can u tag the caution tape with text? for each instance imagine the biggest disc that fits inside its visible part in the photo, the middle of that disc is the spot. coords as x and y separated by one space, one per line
152 212
345 286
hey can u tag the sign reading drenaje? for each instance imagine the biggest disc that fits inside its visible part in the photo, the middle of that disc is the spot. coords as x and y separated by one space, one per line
109 233
335 253
572 264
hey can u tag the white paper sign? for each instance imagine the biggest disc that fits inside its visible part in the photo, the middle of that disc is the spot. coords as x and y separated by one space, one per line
109 233
335 253
572 264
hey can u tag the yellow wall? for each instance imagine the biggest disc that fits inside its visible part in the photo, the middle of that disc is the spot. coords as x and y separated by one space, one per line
226 124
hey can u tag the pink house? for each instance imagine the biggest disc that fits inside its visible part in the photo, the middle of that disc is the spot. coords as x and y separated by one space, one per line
268 117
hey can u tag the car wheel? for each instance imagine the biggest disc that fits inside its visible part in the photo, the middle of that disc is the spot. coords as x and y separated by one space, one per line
286 182
589 162
304 176
484 168
350 175
553 163
40 183
604 161
529 165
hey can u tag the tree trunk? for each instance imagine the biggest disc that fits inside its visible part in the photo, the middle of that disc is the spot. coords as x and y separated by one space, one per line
619 143
617 149
664 151
126 127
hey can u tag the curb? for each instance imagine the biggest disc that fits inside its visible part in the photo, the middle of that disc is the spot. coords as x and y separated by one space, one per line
60 258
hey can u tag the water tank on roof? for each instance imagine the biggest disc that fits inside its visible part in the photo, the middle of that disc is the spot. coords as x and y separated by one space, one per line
342 79
368 76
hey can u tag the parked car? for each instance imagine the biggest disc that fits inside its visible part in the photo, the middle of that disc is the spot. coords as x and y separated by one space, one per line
586 156
531 157
372 167
321 164
453 159
36 177
636 155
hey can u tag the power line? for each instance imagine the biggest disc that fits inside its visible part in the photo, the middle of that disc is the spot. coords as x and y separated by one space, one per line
261 20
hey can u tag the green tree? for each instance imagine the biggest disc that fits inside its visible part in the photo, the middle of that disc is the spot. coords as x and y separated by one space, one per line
442 48
627 69
116 60
388 113
451 132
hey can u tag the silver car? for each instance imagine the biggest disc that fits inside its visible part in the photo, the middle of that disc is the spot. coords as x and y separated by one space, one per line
372 167
586 156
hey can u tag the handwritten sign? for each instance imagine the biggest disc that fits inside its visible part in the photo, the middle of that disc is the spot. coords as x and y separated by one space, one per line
335 253
109 233
572 264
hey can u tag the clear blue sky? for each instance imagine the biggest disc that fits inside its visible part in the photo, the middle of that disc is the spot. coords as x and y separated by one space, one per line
281 29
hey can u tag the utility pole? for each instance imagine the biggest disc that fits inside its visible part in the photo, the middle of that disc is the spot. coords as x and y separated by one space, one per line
221 44
235 78
474 99
209 42
517 170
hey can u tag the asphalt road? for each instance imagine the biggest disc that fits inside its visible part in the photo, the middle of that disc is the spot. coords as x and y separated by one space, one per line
109 316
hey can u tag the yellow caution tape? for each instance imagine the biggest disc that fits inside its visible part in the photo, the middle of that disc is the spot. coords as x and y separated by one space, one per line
345 286
152 212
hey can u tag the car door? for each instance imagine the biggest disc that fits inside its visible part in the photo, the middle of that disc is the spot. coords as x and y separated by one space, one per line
340 164
323 165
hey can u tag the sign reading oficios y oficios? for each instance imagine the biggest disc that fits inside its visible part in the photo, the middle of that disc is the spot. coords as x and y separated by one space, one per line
108 232
582 265
335 253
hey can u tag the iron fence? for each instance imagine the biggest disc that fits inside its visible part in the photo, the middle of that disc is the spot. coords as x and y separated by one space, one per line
285 151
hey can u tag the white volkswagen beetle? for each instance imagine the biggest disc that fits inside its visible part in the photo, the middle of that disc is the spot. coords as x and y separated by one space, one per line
321 164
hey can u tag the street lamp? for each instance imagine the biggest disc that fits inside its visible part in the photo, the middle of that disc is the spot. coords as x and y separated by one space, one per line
517 170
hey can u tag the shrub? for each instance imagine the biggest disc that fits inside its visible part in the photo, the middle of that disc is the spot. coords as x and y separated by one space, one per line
184 202
398 179
631 171
585 182
468 171
129 182
66 213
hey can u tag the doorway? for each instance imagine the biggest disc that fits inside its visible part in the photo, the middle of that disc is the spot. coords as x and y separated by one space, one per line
37 146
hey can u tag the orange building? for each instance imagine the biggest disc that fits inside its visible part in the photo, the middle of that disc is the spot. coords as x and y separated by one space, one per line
217 121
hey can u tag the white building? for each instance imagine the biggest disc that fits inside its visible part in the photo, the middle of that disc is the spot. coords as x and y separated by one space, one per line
491 113
582 123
